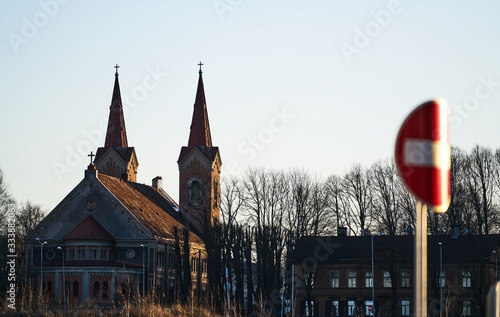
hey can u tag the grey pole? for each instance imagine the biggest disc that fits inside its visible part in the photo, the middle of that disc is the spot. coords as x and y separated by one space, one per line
64 279
143 274
440 279
41 267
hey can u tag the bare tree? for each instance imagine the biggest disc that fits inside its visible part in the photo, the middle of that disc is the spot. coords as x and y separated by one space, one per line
356 186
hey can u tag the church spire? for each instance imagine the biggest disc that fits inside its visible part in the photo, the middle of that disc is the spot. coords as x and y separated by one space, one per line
116 135
200 128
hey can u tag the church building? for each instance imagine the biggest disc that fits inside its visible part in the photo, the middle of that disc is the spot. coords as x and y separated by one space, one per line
112 238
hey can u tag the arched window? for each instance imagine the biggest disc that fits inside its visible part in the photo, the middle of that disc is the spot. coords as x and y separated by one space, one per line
195 192
66 285
216 194
49 287
96 289
75 289
104 290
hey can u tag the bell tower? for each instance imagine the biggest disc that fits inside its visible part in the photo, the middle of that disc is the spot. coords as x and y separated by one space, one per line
116 158
199 170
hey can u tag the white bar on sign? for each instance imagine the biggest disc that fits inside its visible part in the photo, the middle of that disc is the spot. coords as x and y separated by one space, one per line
418 152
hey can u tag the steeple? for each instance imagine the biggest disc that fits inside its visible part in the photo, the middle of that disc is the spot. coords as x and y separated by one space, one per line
116 158
116 135
200 128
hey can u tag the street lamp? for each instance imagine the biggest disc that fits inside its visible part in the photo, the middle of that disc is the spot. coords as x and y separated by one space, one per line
283 287
41 267
64 278
373 269
496 278
143 274
440 279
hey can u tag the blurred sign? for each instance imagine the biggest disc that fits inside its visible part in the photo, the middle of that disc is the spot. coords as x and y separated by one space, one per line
423 154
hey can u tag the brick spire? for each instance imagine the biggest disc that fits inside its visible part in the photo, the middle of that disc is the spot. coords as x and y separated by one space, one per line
116 135
200 128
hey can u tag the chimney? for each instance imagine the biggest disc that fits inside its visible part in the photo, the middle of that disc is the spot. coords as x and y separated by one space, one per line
158 182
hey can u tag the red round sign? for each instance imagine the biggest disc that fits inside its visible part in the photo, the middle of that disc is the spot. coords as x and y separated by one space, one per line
423 154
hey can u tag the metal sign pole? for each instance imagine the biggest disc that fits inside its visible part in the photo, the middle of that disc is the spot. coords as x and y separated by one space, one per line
420 265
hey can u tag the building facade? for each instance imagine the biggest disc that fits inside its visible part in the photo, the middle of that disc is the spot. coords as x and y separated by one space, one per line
112 239
335 277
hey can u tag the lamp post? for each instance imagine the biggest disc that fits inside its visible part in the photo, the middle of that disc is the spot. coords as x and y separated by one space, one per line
283 287
41 267
143 274
64 279
496 278
440 279
373 268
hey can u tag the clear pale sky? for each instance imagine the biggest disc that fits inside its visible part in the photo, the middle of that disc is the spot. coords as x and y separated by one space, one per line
318 85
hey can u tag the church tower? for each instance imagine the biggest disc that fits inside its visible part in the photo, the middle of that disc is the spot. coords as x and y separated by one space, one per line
116 158
199 169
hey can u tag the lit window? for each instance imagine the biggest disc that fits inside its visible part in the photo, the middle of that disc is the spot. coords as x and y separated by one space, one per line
351 308
334 279
334 308
310 311
466 278
368 279
405 307
466 308
369 308
387 279
351 279
405 278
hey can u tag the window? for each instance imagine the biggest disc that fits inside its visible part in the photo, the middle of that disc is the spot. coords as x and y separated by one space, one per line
387 279
405 278
310 278
334 308
81 253
466 308
351 279
368 279
466 278
369 308
195 192
70 253
310 310
351 308
92 253
75 289
96 289
104 253
216 192
105 290
442 279
67 288
334 279
405 307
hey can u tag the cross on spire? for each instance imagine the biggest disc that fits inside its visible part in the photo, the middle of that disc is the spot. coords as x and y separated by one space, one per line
200 64
116 67
91 157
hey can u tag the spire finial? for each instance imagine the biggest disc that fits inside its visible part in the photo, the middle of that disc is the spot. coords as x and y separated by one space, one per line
91 157
200 64
116 72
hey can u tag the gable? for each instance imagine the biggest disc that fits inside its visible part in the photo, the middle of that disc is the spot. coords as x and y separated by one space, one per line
90 197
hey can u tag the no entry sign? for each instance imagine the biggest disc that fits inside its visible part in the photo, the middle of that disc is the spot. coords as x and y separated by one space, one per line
423 154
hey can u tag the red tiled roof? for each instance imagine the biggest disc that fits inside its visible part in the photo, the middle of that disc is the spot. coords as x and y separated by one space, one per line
89 229
140 203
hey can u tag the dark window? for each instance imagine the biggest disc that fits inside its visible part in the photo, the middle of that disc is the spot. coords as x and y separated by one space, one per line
75 289
195 192
96 289
67 288
105 290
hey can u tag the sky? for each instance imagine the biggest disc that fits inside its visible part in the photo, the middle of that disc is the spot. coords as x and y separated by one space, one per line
317 85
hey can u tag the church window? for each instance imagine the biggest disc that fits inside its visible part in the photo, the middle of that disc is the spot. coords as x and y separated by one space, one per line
76 288
105 290
195 192
96 289
216 196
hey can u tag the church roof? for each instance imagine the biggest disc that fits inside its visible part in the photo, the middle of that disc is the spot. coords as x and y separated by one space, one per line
158 214
125 152
116 135
89 229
